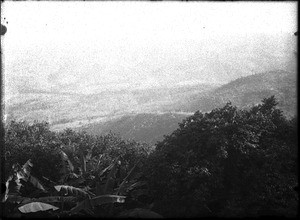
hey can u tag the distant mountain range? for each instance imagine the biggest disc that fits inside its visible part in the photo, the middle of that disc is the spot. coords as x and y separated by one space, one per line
75 110
250 90
243 92
243 71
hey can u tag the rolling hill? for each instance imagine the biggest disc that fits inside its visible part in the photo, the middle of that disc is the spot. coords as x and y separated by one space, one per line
64 110
243 92
250 90
148 128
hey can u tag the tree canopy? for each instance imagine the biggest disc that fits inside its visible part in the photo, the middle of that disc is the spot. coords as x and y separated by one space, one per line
229 162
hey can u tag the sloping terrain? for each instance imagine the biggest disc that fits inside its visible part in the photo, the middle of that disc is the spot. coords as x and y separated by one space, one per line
148 128
243 92
250 90
74 110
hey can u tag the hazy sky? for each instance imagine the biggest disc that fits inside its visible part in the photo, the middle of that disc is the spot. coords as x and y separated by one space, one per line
75 29
34 22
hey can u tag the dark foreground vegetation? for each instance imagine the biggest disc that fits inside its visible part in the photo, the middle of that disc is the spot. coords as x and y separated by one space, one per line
228 162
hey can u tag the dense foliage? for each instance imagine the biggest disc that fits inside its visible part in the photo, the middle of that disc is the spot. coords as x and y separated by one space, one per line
24 141
92 170
227 162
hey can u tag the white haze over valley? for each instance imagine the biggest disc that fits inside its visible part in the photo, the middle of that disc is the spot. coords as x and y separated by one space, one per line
56 49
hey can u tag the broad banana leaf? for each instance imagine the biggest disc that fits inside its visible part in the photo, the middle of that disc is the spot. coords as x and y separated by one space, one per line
70 190
36 206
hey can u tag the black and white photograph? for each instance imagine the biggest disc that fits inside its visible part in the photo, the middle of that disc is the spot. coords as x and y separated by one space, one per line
149 109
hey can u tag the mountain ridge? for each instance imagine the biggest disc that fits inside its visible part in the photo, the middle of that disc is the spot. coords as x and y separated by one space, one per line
251 90
243 92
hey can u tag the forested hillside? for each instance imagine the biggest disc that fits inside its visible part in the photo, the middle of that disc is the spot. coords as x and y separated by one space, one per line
228 162
148 128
